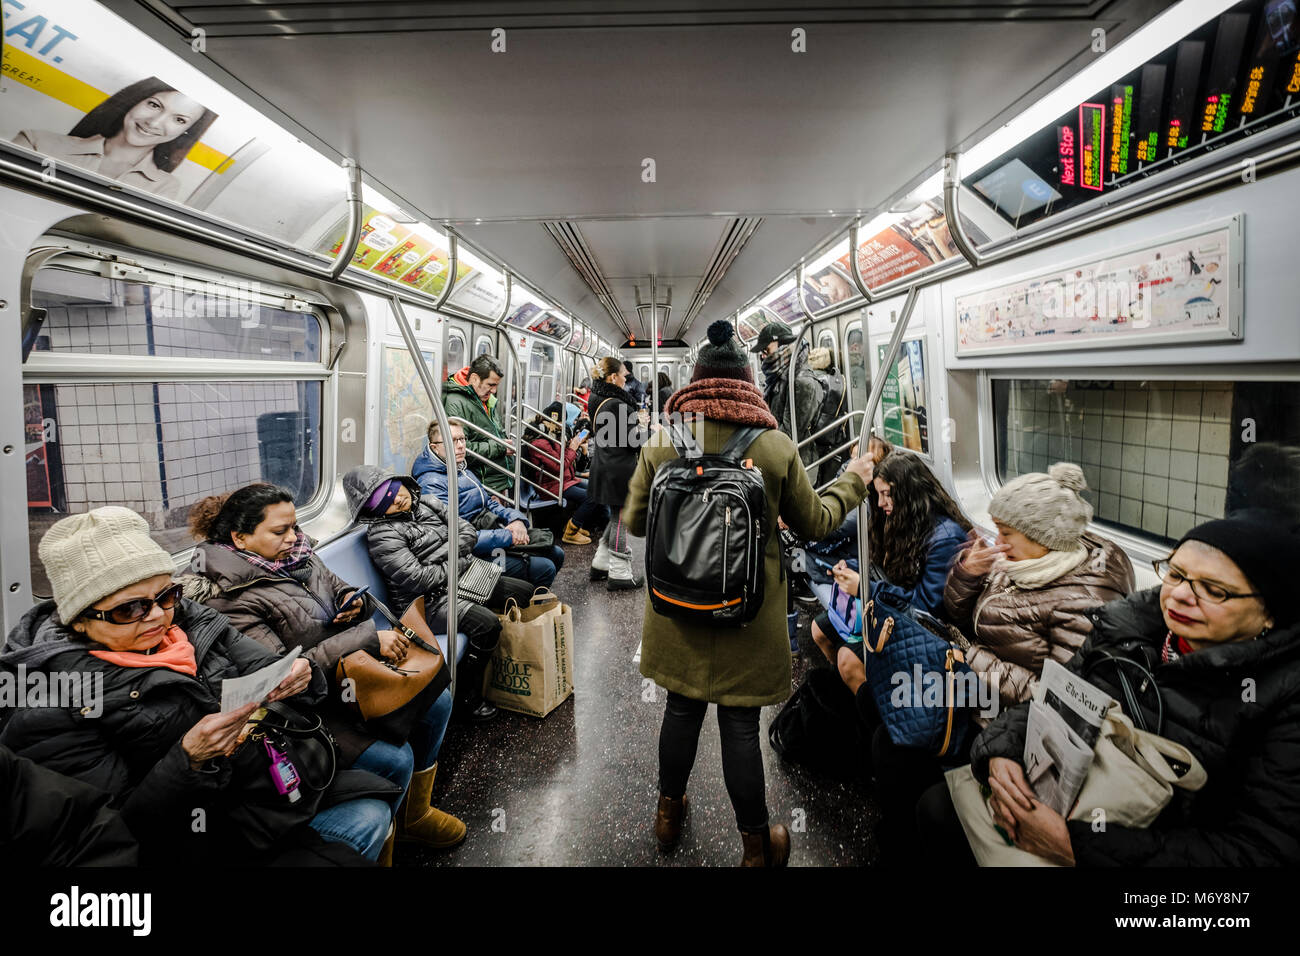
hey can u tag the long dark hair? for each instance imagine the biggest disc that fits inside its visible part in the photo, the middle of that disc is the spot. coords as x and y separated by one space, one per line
106 120
898 542
217 517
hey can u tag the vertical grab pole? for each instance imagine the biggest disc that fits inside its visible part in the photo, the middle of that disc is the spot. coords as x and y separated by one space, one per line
453 492
877 389
349 247
654 345
519 383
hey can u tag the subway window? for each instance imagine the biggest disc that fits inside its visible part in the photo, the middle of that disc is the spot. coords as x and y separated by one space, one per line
856 364
90 314
1159 457
826 340
455 352
482 346
159 435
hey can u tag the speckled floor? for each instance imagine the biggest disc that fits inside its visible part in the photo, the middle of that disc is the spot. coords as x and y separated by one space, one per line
579 788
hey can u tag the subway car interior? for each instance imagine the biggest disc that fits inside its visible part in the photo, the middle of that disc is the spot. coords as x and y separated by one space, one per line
256 243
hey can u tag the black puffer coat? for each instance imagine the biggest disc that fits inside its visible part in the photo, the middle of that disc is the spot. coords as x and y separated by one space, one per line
281 613
617 437
1235 706
409 549
132 750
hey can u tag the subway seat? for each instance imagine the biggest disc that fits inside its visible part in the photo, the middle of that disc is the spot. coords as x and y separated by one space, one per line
348 556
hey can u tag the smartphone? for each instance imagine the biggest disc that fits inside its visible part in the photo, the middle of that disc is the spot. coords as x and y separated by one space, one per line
358 595
582 434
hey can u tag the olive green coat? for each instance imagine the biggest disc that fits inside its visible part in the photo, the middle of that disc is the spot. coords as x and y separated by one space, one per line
745 666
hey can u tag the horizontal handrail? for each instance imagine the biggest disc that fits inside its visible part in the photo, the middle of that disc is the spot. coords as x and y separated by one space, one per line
846 417
481 430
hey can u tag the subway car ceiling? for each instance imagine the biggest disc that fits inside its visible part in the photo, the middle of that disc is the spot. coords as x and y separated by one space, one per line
576 167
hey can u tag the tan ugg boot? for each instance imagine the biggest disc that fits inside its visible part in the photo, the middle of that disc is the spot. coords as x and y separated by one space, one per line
575 535
420 822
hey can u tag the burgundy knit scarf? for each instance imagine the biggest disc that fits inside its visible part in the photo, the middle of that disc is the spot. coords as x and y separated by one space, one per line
722 400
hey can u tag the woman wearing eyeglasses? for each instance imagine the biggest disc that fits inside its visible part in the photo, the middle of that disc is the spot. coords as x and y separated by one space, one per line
149 732
1221 638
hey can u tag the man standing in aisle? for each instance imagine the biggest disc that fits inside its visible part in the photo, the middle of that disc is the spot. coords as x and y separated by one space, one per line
471 394
779 350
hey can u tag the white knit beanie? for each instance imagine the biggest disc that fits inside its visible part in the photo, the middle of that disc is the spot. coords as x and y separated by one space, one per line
90 556
1045 507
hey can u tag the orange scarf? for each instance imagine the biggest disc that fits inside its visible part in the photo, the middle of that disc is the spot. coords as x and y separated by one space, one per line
174 651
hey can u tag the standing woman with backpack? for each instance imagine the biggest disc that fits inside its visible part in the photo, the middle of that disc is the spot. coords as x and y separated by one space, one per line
738 668
618 432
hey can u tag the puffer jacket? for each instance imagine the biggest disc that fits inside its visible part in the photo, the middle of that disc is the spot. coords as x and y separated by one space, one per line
1235 706
281 613
540 453
476 504
617 437
132 749
946 538
409 548
1016 630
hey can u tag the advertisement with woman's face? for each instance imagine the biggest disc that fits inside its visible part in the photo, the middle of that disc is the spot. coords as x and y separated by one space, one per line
87 91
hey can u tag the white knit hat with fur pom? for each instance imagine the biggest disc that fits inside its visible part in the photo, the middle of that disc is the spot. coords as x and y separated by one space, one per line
1045 508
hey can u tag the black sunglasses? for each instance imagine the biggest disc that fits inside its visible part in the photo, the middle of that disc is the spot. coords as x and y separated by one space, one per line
136 609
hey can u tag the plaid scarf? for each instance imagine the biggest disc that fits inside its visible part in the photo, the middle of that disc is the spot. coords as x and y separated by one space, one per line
301 551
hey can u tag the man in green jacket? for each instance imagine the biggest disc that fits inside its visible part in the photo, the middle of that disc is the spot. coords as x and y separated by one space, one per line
471 395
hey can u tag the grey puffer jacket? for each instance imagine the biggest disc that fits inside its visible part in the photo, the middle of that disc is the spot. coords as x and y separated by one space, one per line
281 613
1016 630
410 548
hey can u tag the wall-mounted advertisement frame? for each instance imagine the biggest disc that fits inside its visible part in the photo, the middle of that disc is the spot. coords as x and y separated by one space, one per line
904 416
1184 287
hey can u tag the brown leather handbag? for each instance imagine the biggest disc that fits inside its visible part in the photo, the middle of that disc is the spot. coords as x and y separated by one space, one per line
391 696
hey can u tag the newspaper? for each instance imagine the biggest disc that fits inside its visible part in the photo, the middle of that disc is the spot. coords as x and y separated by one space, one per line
1065 720
237 692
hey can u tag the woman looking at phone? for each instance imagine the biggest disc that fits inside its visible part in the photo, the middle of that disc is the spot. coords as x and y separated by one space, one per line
255 566
916 531
543 453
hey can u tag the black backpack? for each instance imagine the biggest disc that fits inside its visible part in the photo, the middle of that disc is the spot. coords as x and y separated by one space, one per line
706 533
832 408
819 728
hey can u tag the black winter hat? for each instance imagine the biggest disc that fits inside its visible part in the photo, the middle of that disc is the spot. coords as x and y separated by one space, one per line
722 357
1267 554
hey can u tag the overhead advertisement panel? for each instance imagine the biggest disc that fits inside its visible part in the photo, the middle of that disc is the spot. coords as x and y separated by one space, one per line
392 247
89 92
917 240
1234 76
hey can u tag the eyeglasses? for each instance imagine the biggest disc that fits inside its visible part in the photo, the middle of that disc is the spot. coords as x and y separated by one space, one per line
136 609
1204 590
459 441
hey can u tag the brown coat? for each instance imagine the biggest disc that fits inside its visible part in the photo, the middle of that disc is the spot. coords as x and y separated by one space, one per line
1017 630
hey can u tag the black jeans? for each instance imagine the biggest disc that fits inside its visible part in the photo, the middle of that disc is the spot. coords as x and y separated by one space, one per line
903 775
483 629
742 761
506 588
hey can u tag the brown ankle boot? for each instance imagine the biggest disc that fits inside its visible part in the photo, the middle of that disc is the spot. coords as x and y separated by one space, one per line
770 849
575 535
419 822
668 820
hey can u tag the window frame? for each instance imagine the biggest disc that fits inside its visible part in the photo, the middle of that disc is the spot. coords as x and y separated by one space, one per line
84 368
1141 547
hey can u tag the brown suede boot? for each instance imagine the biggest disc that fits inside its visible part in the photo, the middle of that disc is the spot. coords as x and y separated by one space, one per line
767 849
386 854
575 535
668 820
420 822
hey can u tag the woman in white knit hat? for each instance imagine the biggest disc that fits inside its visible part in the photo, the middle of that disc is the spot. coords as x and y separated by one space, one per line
152 733
1024 599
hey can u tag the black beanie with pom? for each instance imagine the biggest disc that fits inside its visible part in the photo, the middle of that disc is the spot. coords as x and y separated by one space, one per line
722 357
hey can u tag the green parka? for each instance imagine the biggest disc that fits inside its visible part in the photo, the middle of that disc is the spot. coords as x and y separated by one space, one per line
460 402
745 666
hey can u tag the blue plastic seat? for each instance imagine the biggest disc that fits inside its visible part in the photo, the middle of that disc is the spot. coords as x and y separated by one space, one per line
348 557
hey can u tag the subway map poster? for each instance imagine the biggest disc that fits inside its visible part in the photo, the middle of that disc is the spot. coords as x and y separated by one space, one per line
1185 288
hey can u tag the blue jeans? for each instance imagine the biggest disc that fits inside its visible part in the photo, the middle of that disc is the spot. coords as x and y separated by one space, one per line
587 513
363 824
538 569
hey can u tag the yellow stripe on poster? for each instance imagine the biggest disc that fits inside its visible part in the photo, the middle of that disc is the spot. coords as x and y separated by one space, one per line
22 67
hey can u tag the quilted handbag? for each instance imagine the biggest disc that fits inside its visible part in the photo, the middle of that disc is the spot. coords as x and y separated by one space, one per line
919 681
